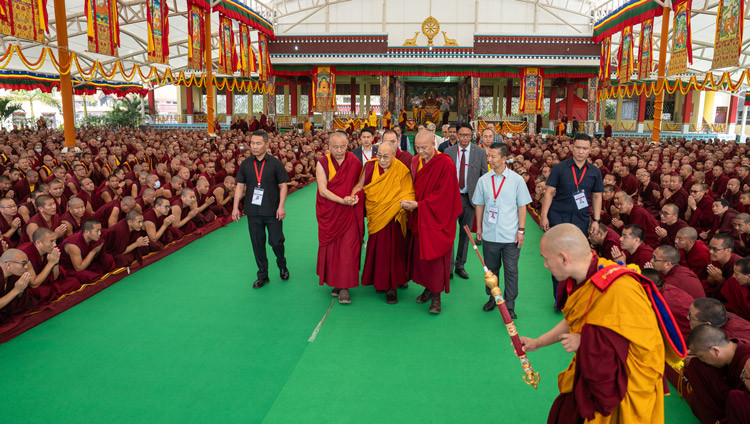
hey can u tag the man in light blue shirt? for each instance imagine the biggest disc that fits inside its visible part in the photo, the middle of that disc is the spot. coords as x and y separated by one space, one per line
500 199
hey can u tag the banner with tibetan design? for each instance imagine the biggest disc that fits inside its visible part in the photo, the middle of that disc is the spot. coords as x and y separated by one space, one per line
196 36
247 57
324 89
532 91
227 52
645 50
605 61
102 26
158 31
729 26
682 48
24 19
625 56
264 64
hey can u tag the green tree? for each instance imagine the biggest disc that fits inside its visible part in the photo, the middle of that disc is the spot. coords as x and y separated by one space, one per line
127 112
36 95
7 108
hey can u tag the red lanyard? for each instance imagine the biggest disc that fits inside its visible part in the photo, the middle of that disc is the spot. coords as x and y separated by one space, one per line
578 180
497 193
365 156
257 175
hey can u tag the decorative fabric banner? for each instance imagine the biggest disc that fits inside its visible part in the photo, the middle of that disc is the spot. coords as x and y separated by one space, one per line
196 37
247 57
729 26
227 51
398 95
264 64
591 98
604 62
747 98
24 19
324 89
532 91
682 46
158 31
474 97
385 88
102 27
625 56
646 49
271 102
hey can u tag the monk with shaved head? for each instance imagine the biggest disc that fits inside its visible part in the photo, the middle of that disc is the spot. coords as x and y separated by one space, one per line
14 280
694 253
617 371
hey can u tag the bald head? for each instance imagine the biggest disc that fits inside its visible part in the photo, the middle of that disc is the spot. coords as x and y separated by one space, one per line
689 233
565 238
704 337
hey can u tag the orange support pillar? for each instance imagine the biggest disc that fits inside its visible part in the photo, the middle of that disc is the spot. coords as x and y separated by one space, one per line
209 84
659 101
66 85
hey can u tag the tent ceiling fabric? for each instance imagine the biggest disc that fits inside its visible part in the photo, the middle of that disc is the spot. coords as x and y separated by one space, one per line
133 34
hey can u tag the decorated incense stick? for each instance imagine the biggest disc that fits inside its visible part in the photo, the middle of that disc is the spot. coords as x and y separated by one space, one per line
530 376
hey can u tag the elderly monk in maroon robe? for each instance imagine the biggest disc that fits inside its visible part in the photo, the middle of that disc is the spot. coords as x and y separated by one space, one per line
340 218
632 249
603 239
630 213
670 224
699 214
185 209
204 200
15 299
432 219
46 217
404 157
694 254
126 241
47 282
721 364
735 290
83 256
10 222
666 260
385 182
722 263
158 223
74 216
224 195
741 224
678 300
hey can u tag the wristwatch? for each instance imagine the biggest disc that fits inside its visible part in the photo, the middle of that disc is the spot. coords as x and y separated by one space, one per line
521 230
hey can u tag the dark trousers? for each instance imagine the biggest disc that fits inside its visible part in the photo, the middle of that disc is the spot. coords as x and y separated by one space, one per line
466 218
257 225
578 218
503 255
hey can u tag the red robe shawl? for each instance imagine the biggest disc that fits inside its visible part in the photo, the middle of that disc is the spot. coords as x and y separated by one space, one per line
334 218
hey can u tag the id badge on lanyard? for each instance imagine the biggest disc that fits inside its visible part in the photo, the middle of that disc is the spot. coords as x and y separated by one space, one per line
257 191
579 196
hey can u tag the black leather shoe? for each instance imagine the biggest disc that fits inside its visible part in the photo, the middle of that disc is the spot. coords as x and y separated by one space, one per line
404 286
462 273
260 282
490 305
512 314
284 274
451 276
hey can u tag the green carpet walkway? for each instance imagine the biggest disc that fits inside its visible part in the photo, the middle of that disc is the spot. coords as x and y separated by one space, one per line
187 340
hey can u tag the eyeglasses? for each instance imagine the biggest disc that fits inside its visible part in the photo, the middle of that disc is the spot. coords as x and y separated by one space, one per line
716 249
464 135
657 260
665 213
385 157
22 263
695 191
743 376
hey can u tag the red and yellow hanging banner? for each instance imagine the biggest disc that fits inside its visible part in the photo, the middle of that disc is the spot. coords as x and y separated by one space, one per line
625 56
604 62
196 36
682 46
532 91
102 26
158 31
264 63
227 51
324 89
646 49
729 26
247 58
24 19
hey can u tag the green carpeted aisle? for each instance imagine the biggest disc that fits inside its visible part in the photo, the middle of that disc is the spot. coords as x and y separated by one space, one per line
188 340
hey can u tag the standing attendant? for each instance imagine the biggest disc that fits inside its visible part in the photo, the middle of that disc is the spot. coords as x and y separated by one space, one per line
366 151
501 197
265 179
471 163
573 187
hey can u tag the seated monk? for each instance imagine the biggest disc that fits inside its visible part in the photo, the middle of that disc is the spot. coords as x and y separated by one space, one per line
666 260
114 211
73 183
630 213
185 209
83 256
204 200
677 299
721 268
632 249
15 299
670 224
86 193
28 209
75 216
741 223
224 195
735 290
111 190
158 223
46 217
738 402
26 186
126 241
718 370
699 213
146 201
694 254
173 189
56 189
10 222
47 282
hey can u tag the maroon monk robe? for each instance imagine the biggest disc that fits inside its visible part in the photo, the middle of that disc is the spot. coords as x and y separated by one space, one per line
697 259
216 208
22 303
38 220
646 195
15 238
21 190
68 219
679 198
727 271
736 327
720 184
679 302
672 232
340 227
640 216
208 213
687 183
685 279
642 255
738 407
102 214
385 256
61 203
611 240
51 288
117 238
170 234
191 225
723 224
703 216
711 385
102 263
433 223
630 185
733 198
405 157
737 298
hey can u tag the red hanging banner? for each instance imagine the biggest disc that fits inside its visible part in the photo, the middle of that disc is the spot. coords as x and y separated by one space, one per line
625 56
196 36
25 19
682 46
604 62
158 31
102 26
227 53
532 91
729 26
645 49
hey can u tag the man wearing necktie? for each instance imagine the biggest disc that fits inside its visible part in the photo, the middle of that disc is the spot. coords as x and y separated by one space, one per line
471 163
